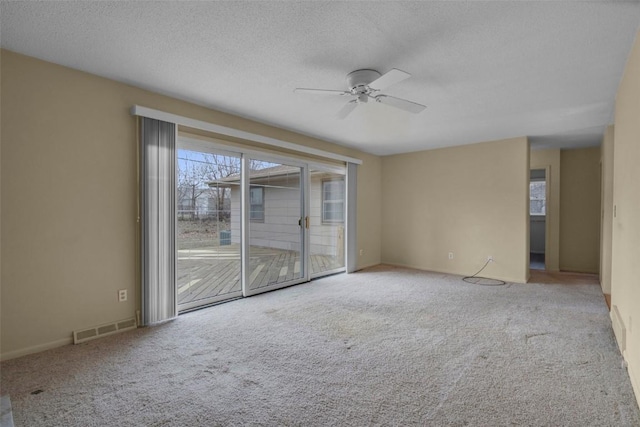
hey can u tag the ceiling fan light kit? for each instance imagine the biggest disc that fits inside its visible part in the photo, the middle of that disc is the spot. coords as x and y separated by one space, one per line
364 84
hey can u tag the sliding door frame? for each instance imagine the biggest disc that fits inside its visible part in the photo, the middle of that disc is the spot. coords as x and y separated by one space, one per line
246 221
221 146
342 171
203 147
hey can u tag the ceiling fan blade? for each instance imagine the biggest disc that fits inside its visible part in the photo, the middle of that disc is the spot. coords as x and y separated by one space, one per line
403 104
321 91
347 109
390 78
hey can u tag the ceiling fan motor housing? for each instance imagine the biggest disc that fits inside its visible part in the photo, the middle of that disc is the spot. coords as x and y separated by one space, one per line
359 80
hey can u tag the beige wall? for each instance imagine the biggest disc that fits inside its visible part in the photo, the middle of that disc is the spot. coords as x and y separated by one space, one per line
550 160
470 200
69 198
625 261
606 209
580 210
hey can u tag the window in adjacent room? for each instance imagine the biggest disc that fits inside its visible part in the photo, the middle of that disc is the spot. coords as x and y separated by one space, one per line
537 198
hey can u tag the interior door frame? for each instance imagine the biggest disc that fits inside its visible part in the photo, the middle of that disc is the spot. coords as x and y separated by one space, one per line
547 195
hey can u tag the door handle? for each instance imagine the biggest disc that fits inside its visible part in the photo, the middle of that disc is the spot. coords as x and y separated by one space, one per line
306 222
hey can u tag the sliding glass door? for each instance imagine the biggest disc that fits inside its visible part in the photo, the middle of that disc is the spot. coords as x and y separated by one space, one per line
276 224
248 223
327 221
208 228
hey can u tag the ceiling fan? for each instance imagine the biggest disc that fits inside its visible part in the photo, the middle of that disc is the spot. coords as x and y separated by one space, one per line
364 85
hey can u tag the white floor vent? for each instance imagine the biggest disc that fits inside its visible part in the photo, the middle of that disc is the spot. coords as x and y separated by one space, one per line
103 330
618 329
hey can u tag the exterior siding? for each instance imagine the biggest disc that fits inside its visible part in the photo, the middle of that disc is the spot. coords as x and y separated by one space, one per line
280 228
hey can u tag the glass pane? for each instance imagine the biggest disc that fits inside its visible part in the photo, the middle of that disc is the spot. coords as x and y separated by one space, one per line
333 190
256 204
334 211
208 230
327 222
537 195
275 242
256 195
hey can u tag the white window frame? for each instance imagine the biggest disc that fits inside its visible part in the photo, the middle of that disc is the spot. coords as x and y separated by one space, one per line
326 201
532 199
252 211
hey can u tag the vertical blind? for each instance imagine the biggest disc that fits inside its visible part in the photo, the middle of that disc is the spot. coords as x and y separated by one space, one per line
352 236
158 216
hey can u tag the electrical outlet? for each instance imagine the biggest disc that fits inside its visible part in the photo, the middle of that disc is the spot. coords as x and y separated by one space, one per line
490 258
361 252
122 295
450 255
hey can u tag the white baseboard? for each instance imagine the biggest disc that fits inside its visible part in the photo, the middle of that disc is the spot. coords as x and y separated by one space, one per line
619 330
35 349
635 379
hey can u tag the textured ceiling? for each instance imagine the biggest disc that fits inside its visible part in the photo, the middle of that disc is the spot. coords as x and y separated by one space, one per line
486 70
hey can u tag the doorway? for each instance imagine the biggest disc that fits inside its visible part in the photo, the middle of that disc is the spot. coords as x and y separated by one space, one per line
537 218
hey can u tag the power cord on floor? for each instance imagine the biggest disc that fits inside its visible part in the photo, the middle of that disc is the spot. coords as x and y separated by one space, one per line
483 281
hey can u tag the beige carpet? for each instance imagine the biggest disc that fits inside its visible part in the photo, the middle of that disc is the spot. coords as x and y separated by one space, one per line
385 346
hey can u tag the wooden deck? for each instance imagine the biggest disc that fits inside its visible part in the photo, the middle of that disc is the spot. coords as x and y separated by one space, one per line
211 271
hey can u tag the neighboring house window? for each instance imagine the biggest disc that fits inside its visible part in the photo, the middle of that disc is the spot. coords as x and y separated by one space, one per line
537 198
333 201
256 200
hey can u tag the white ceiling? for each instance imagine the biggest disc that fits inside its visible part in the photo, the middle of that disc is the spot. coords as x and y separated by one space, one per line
486 70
